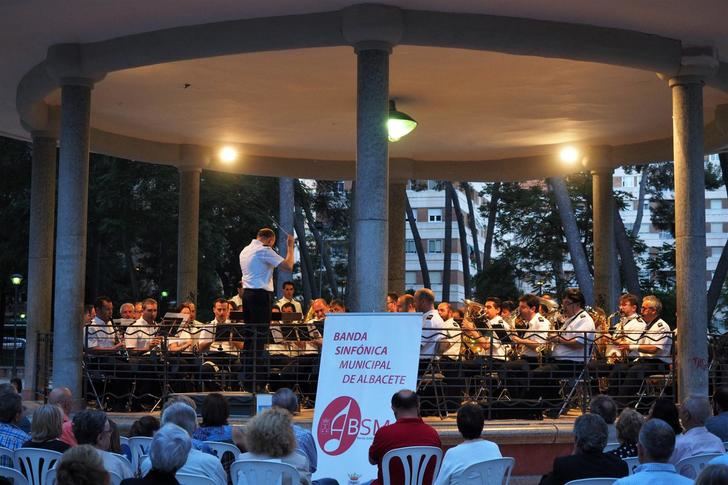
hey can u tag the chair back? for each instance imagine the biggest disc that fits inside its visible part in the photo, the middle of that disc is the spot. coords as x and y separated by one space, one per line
125 448
50 478
725 445
7 457
14 475
610 447
252 472
489 472
193 479
414 460
632 463
34 463
139 446
692 466
593 481
219 449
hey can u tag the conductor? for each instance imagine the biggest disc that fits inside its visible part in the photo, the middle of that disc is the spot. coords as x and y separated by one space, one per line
257 262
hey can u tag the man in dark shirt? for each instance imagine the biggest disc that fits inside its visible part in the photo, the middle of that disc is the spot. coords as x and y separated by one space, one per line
408 430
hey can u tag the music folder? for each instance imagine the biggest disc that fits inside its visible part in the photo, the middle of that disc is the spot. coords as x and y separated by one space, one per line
291 317
501 333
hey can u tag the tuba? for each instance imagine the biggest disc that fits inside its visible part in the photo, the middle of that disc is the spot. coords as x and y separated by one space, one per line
474 313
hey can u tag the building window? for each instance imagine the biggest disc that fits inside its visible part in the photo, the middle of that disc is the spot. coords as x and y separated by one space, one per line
716 204
716 252
409 246
665 235
434 215
410 278
436 277
716 227
434 246
628 182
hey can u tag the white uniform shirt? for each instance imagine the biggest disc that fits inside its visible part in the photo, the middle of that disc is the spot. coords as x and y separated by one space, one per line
498 349
538 331
187 332
257 263
455 337
208 335
634 327
295 303
100 334
574 330
659 335
433 331
139 334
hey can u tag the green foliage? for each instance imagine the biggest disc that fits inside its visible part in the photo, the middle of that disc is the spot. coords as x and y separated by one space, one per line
498 279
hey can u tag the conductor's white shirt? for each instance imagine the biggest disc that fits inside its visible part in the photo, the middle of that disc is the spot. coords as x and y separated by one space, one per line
257 263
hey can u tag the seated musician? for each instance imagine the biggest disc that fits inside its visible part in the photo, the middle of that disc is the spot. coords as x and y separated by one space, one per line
220 354
187 334
208 341
653 350
141 336
434 341
627 333
536 334
406 304
102 335
480 346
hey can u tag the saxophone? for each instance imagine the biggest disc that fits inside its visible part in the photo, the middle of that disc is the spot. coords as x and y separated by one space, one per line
613 353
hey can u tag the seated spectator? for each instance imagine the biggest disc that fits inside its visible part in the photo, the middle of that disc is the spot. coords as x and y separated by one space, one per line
654 448
46 428
408 430
198 463
473 450
696 439
588 460
81 465
606 407
144 426
215 414
91 427
664 408
269 436
115 439
718 424
175 398
168 453
629 424
713 475
23 423
62 397
284 398
11 410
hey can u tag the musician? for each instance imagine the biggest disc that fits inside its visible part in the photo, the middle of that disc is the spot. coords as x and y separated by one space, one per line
433 326
652 348
537 327
627 333
208 336
145 366
288 297
106 359
337 306
507 308
180 346
220 354
452 329
480 345
392 302
102 335
127 311
141 336
406 304
238 298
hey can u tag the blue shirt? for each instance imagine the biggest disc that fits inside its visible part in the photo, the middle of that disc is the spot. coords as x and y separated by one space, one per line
11 437
719 460
306 446
654 473
214 433
718 425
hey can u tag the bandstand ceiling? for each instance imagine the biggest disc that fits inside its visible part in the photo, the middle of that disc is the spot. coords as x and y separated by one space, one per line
491 114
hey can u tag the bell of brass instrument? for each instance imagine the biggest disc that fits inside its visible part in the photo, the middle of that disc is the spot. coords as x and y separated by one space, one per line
475 313
614 353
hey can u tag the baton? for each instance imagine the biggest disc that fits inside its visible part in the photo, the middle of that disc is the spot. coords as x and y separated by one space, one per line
277 226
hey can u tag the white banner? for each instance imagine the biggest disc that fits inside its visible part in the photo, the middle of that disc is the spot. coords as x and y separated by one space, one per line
365 359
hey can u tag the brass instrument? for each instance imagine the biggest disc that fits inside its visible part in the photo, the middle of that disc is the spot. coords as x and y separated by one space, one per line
613 353
475 314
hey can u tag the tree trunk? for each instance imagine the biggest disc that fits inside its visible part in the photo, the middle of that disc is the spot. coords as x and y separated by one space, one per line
573 238
447 249
626 256
490 229
640 201
464 252
418 246
716 284
472 224
306 273
130 264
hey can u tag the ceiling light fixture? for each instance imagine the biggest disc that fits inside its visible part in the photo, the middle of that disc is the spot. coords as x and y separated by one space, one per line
228 154
398 124
569 155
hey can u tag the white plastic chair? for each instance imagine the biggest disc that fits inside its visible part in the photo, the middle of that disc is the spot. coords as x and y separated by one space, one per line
192 479
34 463
610 447
489 472
139 446
14 475
632 463
9 454
219 449
692 466
252 472
593 481
414 461
125 448
725 445
50 478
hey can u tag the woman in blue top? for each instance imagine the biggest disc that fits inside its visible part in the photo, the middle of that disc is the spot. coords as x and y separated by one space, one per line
215 414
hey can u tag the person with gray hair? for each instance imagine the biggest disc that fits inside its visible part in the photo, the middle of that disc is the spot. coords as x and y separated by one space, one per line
168 453
696 440
198 462
713 475
605 407
588 459
62 397
654 448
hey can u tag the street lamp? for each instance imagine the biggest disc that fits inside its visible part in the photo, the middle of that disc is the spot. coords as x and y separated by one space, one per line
16 280
540 284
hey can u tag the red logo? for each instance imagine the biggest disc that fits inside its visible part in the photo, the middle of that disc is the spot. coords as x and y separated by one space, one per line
339 425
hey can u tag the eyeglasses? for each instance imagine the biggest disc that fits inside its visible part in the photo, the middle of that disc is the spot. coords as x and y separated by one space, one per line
646 308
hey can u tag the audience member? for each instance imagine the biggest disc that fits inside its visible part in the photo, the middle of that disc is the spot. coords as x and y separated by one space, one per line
408 430
588 459
11 410
474 449
198 463
713 475
269 436
606 407
284 398
115 439
46 428
664 408
629 424
654 448
144 426
62 397
696 439
91 427
23 422
168 453
718 424
215 414
81 465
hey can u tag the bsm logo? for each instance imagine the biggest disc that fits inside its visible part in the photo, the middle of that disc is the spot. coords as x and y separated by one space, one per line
340 425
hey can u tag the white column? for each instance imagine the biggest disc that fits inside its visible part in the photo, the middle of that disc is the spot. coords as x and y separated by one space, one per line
188 234
604 244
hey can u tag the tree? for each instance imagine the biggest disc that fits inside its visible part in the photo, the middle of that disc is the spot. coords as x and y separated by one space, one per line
447 248
464 252
498 279
490 228
418 245
471 223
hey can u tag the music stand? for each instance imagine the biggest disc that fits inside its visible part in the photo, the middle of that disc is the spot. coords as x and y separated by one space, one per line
170 324
236 316
291 317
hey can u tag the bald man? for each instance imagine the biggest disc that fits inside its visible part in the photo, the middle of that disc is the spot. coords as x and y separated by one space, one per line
62 397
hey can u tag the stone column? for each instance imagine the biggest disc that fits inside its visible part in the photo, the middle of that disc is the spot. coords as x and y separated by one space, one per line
604 244
40 258
692 322
397 258
73 170
286 203
188 232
